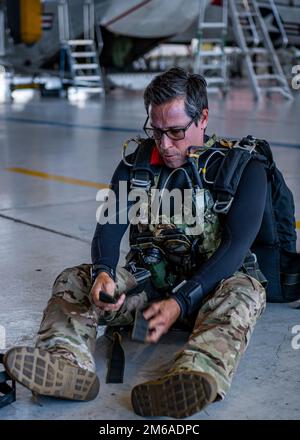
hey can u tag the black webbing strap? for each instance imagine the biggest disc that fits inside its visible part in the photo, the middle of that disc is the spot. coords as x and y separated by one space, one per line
231 170
142 173
7 392
116 360
116 355
229 176
232 167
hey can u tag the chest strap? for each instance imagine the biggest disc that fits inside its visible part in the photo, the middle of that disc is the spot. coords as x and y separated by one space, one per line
142 172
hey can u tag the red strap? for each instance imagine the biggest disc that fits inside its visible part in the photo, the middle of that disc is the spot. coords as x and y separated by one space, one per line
156 158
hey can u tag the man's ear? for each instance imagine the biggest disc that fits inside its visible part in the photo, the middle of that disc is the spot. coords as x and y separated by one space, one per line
204 119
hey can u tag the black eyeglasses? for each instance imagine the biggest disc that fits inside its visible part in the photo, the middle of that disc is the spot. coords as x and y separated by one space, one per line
176 134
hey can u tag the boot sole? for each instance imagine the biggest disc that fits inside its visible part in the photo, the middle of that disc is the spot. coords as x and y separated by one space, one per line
178 395
48 375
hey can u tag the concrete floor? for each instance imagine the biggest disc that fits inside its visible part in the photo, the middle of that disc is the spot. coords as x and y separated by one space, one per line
47 225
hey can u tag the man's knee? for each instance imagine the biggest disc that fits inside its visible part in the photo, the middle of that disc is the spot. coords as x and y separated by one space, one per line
239 292
249 289
74 282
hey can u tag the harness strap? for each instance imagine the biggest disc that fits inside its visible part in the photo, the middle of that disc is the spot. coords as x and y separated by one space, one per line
229 176
230 172
7 392
142 173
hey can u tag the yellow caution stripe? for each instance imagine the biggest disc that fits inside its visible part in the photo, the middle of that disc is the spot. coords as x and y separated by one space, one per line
22 86
57 178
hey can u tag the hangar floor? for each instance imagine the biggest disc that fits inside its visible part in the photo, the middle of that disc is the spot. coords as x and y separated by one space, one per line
54 154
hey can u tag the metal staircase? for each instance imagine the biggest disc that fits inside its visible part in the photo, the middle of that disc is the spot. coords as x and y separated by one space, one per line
82 54
270 4
210 58
263 67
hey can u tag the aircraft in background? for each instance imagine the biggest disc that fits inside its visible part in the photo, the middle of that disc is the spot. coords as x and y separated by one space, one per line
129 29
126 33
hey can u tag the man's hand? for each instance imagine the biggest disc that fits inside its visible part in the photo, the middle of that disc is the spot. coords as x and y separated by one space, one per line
161 315
105 283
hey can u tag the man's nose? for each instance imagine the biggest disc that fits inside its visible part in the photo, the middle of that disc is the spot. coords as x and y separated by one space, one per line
165 142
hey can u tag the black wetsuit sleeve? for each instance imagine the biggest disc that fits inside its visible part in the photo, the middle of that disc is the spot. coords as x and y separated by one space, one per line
240 227
105 249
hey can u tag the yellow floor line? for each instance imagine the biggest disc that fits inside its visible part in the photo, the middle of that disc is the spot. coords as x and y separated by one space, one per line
70 180
57 178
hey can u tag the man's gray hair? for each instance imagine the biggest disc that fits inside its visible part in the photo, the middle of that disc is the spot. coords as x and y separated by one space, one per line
177 83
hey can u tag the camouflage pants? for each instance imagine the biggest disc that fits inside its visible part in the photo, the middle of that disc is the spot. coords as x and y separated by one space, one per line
221 333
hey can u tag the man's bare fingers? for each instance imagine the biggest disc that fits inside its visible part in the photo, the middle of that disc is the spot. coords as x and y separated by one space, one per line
154 335
151 311
95 296
121 300
157 321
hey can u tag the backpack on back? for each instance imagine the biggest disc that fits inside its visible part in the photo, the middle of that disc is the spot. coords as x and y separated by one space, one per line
275 244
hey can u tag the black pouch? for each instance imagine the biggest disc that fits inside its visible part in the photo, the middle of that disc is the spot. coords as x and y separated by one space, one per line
290 275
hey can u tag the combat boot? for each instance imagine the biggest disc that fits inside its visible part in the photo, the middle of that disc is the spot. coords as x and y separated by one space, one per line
178 394
48 374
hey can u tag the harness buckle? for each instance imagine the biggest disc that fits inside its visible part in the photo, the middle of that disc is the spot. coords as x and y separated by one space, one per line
250 260
138 183
125 146
222 207
248 143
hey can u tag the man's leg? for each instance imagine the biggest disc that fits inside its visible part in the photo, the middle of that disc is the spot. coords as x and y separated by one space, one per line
62 364
203 370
